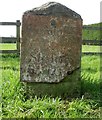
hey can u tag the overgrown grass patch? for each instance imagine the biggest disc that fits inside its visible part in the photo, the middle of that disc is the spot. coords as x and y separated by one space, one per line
90 74
15 104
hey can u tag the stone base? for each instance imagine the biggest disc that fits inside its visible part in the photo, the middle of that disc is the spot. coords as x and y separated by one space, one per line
70 87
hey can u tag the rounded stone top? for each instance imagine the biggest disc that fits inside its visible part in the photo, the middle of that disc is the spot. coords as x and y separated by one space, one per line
54 9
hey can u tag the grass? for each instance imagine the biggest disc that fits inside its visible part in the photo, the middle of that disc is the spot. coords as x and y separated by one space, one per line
89 48
7 46
88 34
15 104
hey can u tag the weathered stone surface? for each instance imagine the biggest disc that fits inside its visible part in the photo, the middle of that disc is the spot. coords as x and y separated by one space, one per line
51 43
55 9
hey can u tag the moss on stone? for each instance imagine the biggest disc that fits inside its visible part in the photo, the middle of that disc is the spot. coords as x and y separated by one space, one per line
69 87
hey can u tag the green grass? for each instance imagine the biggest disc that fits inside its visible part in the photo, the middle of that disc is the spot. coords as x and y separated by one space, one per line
15 104
7 46
89 48
92 34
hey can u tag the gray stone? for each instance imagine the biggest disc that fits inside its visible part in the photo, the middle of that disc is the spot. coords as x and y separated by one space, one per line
55 9
51 43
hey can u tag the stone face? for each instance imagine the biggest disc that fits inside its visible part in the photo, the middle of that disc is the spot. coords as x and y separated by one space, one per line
51 43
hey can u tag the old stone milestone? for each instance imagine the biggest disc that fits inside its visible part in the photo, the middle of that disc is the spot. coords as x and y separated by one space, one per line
51 43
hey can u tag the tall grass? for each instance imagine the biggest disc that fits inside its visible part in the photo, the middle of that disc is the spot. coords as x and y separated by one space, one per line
15 104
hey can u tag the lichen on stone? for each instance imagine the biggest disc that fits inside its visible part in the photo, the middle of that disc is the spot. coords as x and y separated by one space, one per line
54 8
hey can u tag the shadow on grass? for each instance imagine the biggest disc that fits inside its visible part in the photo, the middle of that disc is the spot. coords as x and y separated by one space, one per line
91 90
12 55
9 68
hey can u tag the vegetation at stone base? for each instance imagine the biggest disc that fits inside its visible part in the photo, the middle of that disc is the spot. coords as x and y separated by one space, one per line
15 105
89 34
